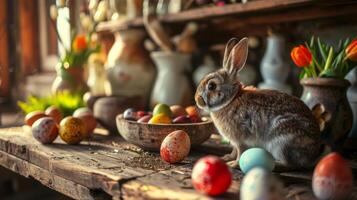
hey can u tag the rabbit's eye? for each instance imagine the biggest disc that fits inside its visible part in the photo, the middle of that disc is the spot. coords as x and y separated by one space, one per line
211 86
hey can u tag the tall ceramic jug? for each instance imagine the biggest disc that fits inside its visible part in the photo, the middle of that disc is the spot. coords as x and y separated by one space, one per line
172 86
273 68
130 71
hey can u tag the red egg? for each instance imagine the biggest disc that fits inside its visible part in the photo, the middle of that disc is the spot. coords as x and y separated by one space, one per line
31 117
175 147
140 114
181 119
145 119
211 176
55 113
332 178
195 118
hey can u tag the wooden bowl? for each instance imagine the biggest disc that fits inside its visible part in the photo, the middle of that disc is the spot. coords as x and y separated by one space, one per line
149 136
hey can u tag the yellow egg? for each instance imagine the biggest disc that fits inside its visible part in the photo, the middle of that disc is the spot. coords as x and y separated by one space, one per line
160 119
72 130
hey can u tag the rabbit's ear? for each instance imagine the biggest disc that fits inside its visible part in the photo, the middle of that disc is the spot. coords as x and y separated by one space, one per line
238 56
227 52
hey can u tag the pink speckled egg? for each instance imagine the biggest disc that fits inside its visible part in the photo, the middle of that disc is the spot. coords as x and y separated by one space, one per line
175 147
332 178
45 130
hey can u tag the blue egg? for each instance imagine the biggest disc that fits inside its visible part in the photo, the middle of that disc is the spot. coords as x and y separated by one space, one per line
256 157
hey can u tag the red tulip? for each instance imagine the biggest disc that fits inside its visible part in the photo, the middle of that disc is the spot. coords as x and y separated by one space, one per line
301 56
80 43
351 50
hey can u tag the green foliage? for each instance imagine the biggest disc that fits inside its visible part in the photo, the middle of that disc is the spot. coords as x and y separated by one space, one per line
65 101
327 61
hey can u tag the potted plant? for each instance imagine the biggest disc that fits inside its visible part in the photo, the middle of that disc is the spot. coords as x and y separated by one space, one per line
70 69
324 86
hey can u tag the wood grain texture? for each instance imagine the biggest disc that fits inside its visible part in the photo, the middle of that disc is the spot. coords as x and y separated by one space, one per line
107 167
4 44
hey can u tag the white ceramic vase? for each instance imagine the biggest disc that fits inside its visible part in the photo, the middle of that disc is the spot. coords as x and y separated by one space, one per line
273 68
172 86
352 98
130 70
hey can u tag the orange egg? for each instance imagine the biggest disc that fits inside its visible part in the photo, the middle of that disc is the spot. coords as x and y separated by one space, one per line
31 117
89 121
192 111
55 113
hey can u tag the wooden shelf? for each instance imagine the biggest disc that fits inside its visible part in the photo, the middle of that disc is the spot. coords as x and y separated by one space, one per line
253 12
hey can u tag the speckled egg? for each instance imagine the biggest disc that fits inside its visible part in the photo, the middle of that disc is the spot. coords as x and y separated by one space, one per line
211 175
160 119
182 119
256 157
55 113
259 183
45 130
178 110
88 118
31 117
175 147
72 130
332 178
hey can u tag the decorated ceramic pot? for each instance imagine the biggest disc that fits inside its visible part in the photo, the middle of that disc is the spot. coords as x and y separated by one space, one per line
130 71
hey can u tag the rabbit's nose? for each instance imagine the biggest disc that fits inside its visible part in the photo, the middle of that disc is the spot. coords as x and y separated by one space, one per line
200 101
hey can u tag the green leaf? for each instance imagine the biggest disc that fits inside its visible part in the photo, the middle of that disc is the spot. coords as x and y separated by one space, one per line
328 73
302 74
329 59
323 52
312 42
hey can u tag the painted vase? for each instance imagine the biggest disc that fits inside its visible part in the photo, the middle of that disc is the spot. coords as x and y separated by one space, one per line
130 71
331 93
274 69
352 98
172 85
70 79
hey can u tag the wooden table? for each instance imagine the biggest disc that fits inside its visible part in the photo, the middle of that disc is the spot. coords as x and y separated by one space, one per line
107 167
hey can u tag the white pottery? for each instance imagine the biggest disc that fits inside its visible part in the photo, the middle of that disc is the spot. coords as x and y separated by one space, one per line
172 85
130 71
207 67
352 98
273 68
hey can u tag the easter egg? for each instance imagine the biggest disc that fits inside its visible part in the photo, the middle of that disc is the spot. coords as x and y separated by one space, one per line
175 147
130 114
211 175
145 119
55 113
45 130
162 109
332 178
256 157
181 119
192 110
31 117
160 119
195 118
86 115
259 183
140 114
72 130
177 110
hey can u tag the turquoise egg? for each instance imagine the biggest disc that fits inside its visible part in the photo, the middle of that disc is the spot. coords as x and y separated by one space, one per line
256 157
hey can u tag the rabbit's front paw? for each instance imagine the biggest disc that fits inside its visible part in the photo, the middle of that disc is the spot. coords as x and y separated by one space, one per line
231 156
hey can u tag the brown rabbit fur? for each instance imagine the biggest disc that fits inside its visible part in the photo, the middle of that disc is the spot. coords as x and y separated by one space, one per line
249 117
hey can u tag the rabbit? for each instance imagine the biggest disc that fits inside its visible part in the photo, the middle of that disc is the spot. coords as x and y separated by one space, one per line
248 117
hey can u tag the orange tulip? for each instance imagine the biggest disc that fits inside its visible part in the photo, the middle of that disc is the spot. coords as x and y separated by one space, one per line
301 56
79 43
351 50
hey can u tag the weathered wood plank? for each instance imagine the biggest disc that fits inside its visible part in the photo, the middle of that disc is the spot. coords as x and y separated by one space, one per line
57 183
